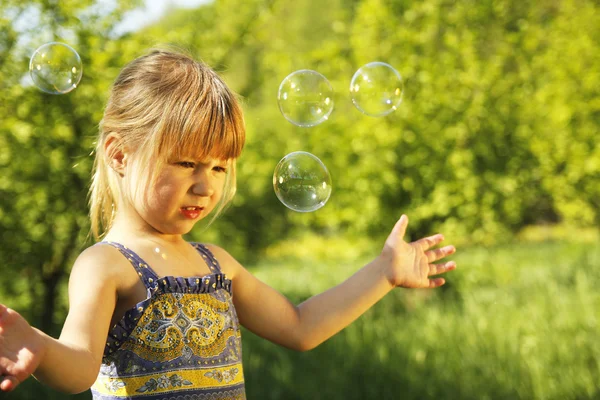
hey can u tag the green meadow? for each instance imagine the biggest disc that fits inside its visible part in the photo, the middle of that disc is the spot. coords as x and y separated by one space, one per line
517 321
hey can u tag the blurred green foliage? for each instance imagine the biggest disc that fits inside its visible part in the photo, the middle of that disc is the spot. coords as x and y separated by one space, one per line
498 130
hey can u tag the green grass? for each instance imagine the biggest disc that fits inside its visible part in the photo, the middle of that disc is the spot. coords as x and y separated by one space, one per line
513 322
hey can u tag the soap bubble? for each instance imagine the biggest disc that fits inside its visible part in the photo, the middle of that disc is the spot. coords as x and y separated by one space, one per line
305 98
302 182
376 89
55 68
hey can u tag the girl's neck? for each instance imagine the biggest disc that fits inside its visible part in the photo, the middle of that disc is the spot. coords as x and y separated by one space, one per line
123 230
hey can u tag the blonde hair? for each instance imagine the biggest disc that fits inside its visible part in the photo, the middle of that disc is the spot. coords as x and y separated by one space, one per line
166 105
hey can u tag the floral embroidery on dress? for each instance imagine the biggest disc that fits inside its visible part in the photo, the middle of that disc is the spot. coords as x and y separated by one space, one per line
227 375
163 383
113 386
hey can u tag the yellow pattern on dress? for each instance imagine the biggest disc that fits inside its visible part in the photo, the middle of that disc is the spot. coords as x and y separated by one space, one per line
175 321
208 377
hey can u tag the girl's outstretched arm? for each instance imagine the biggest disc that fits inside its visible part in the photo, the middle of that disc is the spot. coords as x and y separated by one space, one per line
71 363
267 313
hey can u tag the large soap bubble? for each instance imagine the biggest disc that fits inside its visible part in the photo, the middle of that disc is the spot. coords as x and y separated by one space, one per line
302 182
55 68
376 89
305 98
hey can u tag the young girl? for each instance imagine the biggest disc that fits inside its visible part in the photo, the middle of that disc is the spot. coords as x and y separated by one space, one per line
155 317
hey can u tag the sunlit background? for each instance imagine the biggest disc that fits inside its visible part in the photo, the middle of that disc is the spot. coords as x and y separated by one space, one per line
494 144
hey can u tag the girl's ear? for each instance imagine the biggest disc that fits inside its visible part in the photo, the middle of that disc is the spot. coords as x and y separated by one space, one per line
116 154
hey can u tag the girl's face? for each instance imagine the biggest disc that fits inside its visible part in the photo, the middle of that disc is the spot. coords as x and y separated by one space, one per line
185 191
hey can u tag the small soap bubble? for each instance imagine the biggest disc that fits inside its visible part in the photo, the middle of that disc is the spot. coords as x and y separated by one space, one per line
376 89
305 98
302 182
55 68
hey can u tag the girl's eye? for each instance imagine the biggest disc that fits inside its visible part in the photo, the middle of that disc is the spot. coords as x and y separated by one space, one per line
220 169
186 164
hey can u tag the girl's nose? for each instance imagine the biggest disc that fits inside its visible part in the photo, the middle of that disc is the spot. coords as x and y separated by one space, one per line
203 187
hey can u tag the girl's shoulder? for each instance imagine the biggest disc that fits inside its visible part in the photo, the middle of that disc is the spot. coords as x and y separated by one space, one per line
100 263
100 253
229 265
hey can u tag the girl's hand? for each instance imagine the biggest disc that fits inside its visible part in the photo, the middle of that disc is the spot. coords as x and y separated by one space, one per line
411 264
21 349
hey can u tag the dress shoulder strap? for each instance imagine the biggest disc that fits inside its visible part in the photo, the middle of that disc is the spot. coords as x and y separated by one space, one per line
208 257
145 272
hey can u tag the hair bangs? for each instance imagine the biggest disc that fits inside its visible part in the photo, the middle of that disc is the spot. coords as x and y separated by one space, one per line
210 128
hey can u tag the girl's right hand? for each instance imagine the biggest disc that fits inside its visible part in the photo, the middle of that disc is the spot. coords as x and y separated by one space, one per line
21 349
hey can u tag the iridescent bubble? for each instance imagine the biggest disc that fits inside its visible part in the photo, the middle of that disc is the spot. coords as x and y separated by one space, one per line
376 89
302 182
55 68
305 98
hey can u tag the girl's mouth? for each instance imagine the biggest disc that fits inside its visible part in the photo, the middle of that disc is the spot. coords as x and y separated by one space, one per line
191 212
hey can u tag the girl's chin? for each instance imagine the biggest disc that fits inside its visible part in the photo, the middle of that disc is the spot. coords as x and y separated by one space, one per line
180 229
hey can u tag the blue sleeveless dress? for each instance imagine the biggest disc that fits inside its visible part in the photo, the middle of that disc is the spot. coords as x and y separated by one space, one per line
182 343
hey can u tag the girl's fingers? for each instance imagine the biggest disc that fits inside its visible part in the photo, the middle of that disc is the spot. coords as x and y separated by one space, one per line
8 383
436 254
400 227
428 242
436 269
436 282
3 310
